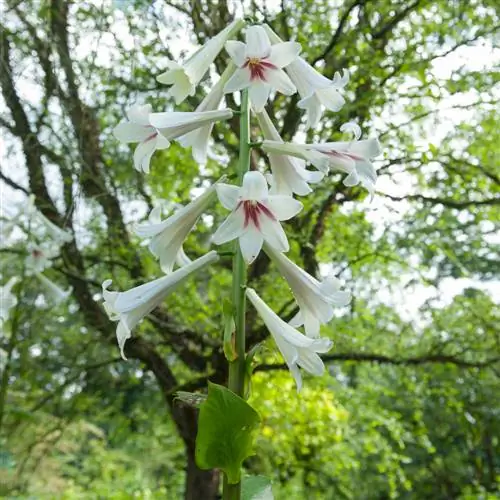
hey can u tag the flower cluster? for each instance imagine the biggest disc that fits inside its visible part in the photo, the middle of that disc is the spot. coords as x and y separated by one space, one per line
262 65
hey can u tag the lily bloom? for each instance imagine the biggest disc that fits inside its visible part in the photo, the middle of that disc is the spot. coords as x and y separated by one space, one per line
289 174
260 66
7 299
353 158
169 235
198 139
317 91
297 349
316 299
39 257
184 78
55 293
130 307
255 216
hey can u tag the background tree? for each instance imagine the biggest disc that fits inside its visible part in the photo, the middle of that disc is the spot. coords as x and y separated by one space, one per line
410 404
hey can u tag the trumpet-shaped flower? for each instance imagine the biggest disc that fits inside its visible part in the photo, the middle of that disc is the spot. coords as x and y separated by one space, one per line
316 299
130 307
255 216
7 299
53 291
139 129
352 157
316 90
184 78
39 257
297 349
289 174
198 139
260 66
167 236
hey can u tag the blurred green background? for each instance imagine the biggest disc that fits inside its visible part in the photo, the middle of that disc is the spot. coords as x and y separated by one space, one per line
410 405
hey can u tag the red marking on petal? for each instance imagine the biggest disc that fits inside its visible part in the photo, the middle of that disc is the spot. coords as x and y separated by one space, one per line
344 154
151 137
258 68
266 211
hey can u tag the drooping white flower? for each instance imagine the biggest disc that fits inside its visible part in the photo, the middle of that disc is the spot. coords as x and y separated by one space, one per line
7 299
49 229
130 307
39 256
316 299
139 129
255 216
184 78
352 157
260 66
53 291
297 349
167 236
198 139
316 90
289 174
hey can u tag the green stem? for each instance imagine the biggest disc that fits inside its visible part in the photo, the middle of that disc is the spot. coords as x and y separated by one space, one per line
237 368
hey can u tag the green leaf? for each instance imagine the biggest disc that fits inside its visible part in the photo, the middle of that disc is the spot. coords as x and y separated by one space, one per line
229 332
256 488
225 432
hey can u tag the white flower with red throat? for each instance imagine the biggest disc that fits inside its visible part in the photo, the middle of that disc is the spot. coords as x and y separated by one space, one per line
316 299
255 216
317 91
297 349
260 66
289 174
184 78
130 307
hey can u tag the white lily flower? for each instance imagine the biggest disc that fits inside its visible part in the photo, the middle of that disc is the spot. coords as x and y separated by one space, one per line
198 139
184 78
7 299
316 90
352 157
169 235
55 293
297 349
139 129
289 174
260 66
255 216
130 307
39 257
316 299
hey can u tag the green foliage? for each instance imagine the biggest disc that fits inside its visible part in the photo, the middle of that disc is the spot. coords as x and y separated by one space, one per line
226 428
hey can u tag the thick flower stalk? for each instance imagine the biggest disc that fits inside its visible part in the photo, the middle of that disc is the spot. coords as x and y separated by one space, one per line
185 77
167 236
260 66
130 307
255 216
289 174
296 349
317 91
316 299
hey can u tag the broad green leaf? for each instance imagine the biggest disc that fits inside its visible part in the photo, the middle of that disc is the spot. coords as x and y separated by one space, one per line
256 488
225 432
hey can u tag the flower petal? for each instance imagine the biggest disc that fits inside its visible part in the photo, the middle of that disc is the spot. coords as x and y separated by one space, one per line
274 234
258 45
279 80
236 51
228 195
230 229
240 80
142 156
284 207
259 93
251 243
140 114
282 54
254 186
132 132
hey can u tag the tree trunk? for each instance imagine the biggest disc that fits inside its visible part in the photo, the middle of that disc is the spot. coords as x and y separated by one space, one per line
200 484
